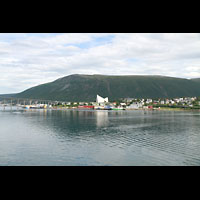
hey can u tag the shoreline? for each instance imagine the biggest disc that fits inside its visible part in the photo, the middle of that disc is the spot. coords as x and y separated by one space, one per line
143 109
179 109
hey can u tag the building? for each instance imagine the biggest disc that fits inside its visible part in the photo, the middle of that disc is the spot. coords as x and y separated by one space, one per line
167 101
172 102
85 107
101 99
149 101
135 105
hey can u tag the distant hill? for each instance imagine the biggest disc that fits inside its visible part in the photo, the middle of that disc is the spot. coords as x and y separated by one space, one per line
6 96
86 87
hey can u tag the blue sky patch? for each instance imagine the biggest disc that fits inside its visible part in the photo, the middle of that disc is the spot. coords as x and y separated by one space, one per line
96 41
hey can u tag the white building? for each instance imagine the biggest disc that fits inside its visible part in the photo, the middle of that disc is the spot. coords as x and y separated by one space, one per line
167 101
149 101
101 99
162 102
135 105
172 102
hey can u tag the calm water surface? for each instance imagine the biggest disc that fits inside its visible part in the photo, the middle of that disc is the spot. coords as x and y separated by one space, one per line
72 137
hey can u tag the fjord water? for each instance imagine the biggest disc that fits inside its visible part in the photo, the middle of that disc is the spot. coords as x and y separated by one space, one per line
81 138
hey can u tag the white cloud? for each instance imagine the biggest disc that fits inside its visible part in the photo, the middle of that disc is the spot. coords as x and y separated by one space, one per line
30 59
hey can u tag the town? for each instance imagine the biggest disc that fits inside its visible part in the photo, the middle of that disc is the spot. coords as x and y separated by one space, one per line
135 104
104 104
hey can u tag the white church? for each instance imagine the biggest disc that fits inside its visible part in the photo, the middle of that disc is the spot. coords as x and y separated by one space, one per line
101 99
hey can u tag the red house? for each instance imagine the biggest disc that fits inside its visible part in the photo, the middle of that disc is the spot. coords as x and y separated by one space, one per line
86 107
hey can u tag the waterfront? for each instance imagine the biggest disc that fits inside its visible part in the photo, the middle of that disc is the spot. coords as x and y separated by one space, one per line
73 137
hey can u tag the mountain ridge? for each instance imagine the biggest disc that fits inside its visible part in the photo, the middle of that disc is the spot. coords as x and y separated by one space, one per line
81 87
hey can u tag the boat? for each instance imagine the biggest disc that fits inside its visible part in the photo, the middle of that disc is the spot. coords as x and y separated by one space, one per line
99 107
38 106
107 107
26 107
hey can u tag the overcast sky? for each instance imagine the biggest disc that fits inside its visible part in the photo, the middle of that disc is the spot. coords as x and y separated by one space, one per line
28 60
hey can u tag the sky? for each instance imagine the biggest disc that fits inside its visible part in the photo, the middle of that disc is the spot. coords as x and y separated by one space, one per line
30 59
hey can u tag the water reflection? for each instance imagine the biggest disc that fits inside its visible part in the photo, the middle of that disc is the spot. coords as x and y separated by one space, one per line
75 137
101 118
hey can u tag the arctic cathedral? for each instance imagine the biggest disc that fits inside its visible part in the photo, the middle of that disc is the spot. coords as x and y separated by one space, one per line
101 99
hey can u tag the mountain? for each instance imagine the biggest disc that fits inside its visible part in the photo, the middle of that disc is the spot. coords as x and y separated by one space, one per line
85 88
196 80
